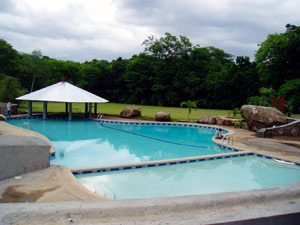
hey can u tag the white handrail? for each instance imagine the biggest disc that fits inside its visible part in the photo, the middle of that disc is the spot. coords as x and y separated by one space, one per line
99 117
226 139
27 125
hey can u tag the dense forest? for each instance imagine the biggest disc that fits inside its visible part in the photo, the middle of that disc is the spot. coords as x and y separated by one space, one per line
169 71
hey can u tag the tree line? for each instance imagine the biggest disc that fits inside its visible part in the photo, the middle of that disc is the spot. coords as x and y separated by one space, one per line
169 71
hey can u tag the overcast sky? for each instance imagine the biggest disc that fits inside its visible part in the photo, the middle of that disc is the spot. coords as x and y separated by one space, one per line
81 30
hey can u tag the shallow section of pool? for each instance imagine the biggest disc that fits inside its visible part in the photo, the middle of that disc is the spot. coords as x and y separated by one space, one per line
83 143
210 176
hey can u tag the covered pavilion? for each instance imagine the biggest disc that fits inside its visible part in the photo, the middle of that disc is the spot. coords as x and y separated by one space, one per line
62 92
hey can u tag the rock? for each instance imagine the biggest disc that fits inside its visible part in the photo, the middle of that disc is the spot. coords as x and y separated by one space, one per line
207 120
14 108
2 117
162 116
221 120
258 117
227 122
129 112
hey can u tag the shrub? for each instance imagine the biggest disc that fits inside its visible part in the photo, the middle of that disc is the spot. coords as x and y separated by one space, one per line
278 103
291 91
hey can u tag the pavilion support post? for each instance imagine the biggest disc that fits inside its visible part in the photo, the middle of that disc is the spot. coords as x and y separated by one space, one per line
86 109
90 110
95 108
29 108
45 111
70 111
67 108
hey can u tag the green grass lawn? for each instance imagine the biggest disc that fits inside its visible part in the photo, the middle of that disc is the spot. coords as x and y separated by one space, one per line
296 116
116 108
147 111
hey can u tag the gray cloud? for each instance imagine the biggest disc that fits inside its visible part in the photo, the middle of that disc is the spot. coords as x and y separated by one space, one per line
106 29
235 26
6 6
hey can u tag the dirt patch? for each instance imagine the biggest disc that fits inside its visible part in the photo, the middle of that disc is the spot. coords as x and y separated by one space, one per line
11 194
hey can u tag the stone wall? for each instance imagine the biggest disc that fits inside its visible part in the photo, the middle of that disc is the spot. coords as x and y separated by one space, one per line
22 154
291 129
290 119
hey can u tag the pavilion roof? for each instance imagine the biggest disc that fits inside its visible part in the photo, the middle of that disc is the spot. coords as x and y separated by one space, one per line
62 92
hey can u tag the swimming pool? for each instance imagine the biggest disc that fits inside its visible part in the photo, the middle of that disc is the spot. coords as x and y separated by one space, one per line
85 143
209 176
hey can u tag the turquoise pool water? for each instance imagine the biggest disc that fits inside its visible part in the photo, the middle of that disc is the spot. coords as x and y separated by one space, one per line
83 143
213 176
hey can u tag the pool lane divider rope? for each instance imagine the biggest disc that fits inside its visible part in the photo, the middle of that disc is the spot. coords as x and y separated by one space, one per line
153 138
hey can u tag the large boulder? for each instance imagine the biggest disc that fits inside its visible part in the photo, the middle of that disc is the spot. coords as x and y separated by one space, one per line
129 112
207 119
162 116
258 117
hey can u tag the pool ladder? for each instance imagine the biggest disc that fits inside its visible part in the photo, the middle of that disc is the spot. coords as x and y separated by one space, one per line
27 125
100 116
226 140
99 120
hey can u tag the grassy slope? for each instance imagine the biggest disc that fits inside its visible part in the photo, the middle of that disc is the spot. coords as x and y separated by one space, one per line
116 108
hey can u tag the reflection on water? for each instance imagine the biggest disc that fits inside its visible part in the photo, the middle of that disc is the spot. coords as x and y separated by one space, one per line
88 143
73 154
232 174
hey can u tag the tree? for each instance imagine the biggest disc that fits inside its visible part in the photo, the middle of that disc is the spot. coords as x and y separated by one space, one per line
138 79
8 58
245 80
115 80
35 66
190 105
278 57
171 57
71 70
168 47
10 88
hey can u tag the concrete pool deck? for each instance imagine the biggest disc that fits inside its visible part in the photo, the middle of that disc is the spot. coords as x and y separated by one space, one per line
8 129
58 184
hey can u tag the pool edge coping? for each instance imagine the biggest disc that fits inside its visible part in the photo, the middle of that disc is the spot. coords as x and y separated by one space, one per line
57 211
207 208
145 164
25 132
126 166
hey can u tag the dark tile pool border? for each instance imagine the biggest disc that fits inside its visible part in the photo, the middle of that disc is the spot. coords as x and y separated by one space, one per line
79 171
117 122
184 161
